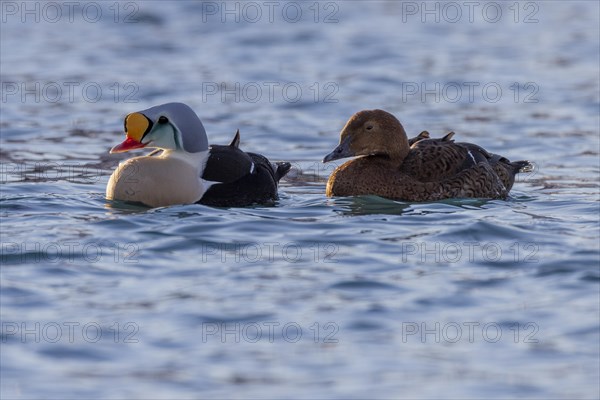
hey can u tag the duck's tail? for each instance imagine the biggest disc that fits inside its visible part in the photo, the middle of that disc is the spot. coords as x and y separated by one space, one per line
277 169
522 166
281 168
514 166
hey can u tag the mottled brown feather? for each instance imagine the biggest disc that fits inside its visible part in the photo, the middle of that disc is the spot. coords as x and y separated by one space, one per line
420 169
420 136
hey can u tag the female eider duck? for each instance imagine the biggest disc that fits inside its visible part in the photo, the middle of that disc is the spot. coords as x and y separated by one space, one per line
421 169
188 170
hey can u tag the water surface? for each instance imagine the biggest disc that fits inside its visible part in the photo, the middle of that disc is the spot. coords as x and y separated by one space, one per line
313 297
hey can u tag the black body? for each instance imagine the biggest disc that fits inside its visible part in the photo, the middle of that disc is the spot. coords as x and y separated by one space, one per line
244 178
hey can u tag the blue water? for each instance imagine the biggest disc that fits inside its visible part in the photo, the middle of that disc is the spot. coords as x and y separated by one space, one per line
314 297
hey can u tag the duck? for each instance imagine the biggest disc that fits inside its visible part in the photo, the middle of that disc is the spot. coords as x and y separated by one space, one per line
389 165
184 169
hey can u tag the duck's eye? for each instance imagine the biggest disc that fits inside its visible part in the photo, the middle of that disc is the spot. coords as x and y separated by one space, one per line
162 119
369 127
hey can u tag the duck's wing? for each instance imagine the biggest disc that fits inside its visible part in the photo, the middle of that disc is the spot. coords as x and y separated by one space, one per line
236 140
479 181
375 176
425 135
228 163
239 178
256 187
504 168
448 136
439 159
420 136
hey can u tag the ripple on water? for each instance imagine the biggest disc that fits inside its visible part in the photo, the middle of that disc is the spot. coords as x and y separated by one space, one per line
368 271
363 285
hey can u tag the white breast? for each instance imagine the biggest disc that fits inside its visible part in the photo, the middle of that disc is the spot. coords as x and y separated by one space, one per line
169 179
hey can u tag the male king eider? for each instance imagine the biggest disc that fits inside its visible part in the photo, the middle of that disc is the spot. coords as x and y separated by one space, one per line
188 171
421 169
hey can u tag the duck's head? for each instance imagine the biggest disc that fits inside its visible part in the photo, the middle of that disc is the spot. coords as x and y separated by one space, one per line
371 132
171 126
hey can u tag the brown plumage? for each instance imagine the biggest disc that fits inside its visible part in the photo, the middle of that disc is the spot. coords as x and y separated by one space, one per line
420 136
419 169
